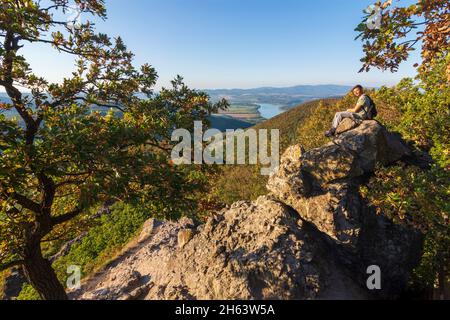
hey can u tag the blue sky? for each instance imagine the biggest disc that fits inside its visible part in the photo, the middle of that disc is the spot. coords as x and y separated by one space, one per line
237 43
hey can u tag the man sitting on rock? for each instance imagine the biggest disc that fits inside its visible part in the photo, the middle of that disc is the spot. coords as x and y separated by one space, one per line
359 113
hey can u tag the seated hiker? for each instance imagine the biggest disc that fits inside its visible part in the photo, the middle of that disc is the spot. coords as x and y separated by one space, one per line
364 110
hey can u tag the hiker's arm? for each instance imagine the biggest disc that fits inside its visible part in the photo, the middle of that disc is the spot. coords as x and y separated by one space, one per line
357 107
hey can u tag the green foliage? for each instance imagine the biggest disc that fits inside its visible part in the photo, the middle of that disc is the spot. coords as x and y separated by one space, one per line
419 198
109 235
28 293
3 275
412 195
236 183
402 27
424 111
311 131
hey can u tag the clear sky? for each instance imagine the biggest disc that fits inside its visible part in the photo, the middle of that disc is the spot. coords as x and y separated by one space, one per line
237 43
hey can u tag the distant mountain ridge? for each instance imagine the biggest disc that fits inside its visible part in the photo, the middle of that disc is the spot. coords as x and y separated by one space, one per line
283 96
308 90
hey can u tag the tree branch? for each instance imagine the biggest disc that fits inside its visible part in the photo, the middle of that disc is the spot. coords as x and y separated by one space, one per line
27 203
100 104
9 265
64 49
11 46
66 217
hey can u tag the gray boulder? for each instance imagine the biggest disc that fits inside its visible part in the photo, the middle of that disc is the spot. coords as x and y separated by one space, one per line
347 125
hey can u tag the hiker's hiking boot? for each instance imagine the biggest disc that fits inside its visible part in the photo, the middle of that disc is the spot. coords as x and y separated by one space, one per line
330 133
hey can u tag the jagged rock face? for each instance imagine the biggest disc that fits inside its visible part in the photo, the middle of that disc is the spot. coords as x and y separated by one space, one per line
252 250
333 203
312 237
322 184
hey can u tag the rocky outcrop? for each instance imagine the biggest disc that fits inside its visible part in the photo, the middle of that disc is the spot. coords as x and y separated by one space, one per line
322 186
312 237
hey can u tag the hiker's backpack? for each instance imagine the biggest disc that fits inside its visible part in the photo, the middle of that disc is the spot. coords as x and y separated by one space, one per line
372 113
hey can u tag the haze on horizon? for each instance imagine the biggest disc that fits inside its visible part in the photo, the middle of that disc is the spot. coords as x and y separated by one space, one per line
228 44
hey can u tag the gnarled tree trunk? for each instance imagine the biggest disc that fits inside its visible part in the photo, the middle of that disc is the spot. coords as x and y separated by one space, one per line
41 275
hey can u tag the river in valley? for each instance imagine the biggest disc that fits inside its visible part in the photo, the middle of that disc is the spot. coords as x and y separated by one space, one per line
268 111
